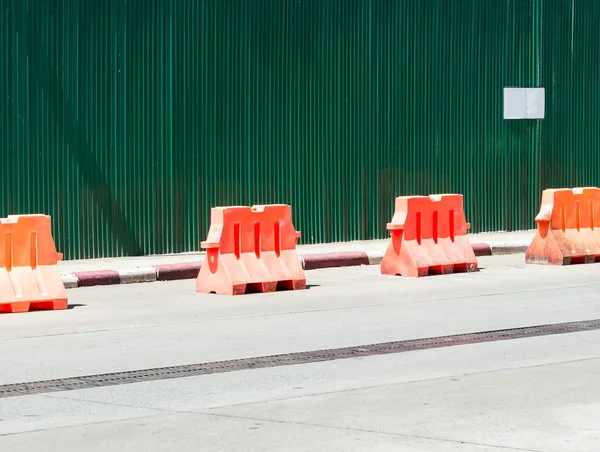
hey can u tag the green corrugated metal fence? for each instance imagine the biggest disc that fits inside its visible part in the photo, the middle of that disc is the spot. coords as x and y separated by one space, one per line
126 120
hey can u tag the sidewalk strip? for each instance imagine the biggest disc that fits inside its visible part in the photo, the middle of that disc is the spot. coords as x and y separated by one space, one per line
482 249
70 280
331 260
171 272
137 275
98 278
189 270
510 248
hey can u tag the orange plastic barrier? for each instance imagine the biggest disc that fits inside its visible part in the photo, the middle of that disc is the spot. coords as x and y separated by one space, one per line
29 275
251 249
429 236
568 227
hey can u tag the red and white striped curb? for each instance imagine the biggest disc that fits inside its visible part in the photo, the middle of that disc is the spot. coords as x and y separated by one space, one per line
189 270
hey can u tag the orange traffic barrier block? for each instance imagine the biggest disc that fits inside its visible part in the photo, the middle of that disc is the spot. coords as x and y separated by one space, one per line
251 249
568 227
29 275
428 236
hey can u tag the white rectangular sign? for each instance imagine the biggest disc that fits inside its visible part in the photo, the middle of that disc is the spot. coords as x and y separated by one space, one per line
524 103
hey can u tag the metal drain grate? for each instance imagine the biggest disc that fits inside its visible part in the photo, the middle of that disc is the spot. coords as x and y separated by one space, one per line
261 362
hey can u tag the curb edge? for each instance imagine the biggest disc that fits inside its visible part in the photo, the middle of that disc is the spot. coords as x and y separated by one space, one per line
189 270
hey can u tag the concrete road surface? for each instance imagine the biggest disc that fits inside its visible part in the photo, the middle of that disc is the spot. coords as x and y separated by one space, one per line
533 394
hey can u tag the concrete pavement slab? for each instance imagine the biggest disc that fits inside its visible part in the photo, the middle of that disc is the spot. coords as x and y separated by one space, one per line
187 432
545 408
536 394
126 327
206 392
31 413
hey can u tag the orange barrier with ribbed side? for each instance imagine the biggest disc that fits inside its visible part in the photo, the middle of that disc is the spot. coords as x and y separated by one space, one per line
568 227
29 274
251 249
428 236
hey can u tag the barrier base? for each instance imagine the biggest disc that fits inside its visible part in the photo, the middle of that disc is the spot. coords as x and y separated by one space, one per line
26 306
408 258
449 269
562 248
249 288
228 275
433 270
